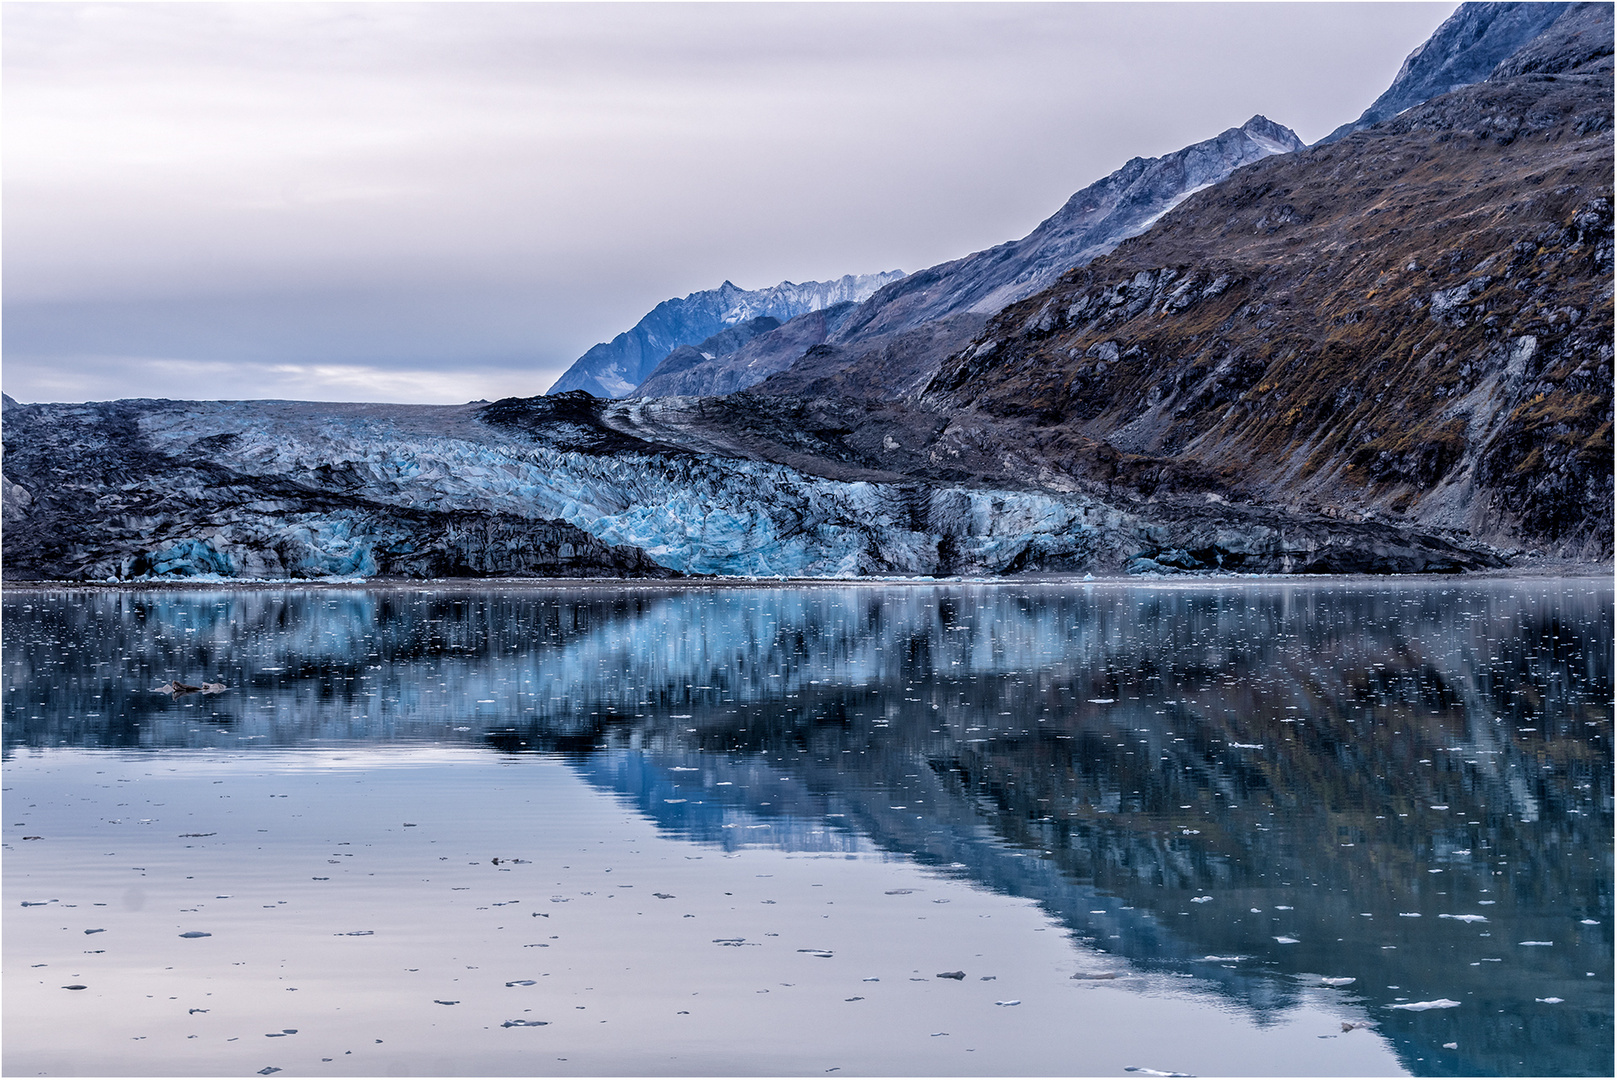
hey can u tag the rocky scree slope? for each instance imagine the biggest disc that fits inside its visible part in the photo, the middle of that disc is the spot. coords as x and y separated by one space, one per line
1415 320
614 368
967 290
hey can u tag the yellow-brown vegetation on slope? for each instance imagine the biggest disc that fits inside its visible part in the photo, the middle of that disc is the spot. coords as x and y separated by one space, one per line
1415 319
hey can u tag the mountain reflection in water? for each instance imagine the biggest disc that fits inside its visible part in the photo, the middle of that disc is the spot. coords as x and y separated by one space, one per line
1257 784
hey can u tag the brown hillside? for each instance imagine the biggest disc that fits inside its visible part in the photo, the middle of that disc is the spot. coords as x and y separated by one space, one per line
1415 320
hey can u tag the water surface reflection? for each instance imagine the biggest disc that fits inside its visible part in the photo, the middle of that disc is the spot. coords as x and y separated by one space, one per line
1252 786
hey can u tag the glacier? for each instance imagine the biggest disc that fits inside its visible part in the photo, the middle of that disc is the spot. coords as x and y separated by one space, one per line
569 485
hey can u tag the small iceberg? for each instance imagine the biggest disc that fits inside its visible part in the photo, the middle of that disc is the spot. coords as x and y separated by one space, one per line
1422 1006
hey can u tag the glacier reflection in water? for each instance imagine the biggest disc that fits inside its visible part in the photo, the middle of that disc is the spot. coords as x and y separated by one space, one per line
1302 805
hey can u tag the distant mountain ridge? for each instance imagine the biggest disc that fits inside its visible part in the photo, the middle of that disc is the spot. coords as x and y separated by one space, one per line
1091 223
614 368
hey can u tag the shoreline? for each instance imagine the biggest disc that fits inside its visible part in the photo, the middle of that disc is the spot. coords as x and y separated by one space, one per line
1545 570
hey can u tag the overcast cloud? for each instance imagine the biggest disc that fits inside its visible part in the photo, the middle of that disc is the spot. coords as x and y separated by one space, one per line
440 202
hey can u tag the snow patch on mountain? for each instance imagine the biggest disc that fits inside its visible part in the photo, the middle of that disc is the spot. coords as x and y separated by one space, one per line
614 368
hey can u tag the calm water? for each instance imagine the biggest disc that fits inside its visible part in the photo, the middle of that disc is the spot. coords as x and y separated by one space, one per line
1099 829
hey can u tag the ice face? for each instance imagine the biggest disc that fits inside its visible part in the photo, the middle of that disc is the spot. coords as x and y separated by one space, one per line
691 513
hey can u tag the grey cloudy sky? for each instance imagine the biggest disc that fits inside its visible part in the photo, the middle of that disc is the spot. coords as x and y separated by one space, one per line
437 202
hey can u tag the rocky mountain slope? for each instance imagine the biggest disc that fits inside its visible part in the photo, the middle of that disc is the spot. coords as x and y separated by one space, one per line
1464 50
674 374
1415 319
1092 222
614 368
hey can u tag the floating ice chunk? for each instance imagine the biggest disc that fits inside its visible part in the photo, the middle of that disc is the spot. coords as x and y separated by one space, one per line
1285 940
1465 918
1409 914
525 1023
203 933
1012 1001
1535 943
1451 1046
1102 701
1246 746
1201 899
1422 1006
1590 922
1330 980
1550 1000
1152 1072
